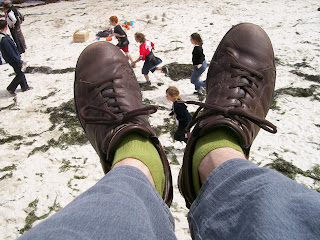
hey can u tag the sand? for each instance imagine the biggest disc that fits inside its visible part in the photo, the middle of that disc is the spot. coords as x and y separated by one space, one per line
40 176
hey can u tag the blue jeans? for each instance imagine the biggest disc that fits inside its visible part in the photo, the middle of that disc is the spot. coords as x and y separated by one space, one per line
238 201
195 77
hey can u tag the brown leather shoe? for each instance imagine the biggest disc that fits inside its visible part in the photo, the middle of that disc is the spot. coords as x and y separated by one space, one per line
240 85
108 102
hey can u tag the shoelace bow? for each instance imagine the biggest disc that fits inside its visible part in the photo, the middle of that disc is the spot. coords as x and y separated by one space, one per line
235 113
112 118
110 115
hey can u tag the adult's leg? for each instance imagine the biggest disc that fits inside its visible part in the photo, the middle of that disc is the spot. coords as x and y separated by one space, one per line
126 204
240 200
232 198
18 79
21 37
122 205
17 40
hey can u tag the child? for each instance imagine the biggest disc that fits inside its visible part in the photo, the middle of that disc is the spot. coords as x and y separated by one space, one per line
180 111
150 61
123 42
199 63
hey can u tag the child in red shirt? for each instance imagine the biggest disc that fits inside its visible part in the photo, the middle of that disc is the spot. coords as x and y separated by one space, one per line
151 62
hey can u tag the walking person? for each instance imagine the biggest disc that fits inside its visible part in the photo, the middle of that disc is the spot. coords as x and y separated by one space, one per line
11 55
12 22
20 19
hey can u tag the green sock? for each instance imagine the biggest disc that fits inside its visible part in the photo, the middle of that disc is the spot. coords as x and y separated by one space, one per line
141 148
218 138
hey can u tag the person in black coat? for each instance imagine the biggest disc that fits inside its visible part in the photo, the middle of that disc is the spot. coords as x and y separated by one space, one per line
180 111
11 55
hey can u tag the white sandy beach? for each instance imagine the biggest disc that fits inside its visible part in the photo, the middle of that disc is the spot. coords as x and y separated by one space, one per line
35 184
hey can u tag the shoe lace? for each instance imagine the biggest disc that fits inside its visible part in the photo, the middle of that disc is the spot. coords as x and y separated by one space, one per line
248 78
113 114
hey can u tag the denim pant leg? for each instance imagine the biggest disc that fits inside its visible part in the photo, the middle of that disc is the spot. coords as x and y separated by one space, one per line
122 205
240 200
195 77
